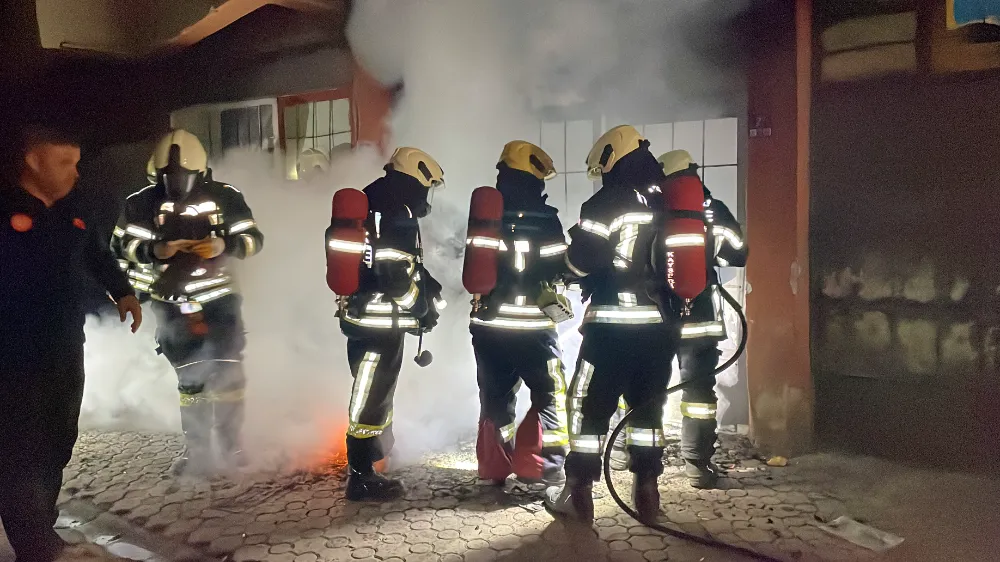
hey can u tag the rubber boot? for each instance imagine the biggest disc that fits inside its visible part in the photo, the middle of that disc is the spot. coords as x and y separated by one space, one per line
196 420
527 462
646 497
575 499
493 455
701 474
228 427
366 485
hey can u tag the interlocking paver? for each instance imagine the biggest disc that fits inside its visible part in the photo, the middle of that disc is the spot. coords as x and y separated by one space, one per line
445 516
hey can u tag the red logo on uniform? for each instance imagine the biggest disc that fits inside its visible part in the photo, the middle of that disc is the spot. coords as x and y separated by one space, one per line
21 222
78 222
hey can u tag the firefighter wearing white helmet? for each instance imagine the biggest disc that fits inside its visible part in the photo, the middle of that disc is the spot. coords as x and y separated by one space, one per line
397 295
514 330
179 234
702 331
698 353
628 343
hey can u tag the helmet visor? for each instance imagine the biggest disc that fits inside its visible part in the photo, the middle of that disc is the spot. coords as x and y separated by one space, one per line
179 182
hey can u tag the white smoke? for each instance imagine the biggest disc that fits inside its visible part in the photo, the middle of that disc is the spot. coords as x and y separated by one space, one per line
476 74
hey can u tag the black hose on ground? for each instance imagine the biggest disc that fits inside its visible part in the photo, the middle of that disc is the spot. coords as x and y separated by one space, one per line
678 387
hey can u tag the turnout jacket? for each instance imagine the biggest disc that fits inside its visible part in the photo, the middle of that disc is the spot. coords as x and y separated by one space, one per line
211 209
396 292
610 253
532 253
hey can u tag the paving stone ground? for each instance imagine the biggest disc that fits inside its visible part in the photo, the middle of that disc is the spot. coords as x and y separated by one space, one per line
445 516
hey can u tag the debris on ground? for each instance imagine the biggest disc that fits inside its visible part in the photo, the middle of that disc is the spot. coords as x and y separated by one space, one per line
861 534
777 461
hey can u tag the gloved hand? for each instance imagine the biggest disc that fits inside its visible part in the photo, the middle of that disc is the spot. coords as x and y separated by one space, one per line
207 248
167 250
430 320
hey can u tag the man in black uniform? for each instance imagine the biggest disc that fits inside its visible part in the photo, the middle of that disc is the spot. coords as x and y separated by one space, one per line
47 247
513 338
396 296
181 231
627 343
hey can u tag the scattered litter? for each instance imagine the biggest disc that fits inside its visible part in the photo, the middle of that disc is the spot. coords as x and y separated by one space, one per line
777 461
129 551
861 535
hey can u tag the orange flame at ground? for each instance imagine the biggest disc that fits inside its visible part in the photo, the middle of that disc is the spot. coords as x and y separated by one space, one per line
331 448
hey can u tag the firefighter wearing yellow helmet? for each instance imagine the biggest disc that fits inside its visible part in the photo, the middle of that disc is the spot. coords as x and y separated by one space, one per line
514 329
178 235
397 295
702 330
628 342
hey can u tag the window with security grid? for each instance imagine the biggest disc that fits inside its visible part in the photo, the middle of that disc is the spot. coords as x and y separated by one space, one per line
313 126
712 144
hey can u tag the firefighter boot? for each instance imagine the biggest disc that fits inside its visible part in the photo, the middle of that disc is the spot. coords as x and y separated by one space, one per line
646 497
228 429
366 485
574 499
196 420
701 474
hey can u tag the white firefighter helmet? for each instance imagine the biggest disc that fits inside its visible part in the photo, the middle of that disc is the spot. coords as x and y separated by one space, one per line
192 154
312 159
527 157
675 161
610 148
181 162
417 163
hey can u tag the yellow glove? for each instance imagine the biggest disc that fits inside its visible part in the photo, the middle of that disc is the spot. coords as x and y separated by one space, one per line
555 306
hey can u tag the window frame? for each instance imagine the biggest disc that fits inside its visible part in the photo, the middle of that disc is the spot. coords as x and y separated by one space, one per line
292 100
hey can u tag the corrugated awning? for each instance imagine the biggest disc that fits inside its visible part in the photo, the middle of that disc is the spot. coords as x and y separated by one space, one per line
965 12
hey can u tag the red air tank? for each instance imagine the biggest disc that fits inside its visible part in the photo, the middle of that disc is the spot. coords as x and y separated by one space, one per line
684 230
482 243
345 244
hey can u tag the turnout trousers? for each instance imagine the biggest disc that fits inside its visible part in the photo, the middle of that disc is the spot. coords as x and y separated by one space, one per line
206 351
615 361
504 359
375 361
39 416
699 402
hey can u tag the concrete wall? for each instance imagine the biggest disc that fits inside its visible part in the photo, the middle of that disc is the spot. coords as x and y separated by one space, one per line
906 286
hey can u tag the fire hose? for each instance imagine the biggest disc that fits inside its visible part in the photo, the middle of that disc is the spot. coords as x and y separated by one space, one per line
678 387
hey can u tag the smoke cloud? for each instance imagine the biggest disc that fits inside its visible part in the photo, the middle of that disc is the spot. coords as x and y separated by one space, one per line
476 75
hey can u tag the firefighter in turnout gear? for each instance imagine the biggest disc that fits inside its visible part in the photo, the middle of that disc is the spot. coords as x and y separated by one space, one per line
701 331
628 343
396 296
513 338
179 233
139 275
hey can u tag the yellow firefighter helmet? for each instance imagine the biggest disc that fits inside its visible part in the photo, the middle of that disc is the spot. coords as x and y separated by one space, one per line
675 161
150 170
610 148
192 154
526 157
417 163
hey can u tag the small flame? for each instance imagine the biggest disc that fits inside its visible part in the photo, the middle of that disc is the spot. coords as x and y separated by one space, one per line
331 448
